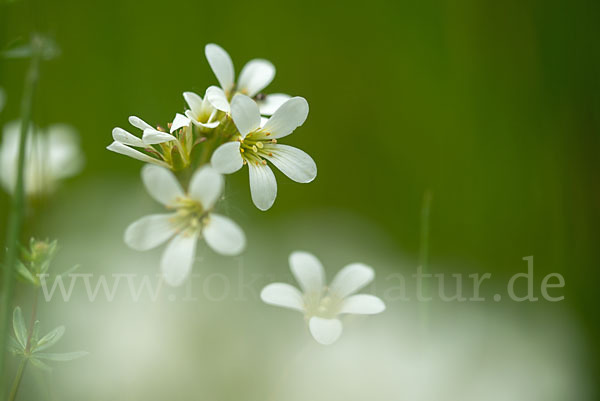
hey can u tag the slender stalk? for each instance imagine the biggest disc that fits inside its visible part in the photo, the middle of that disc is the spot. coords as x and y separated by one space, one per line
17 381
424 255
23 364
18 206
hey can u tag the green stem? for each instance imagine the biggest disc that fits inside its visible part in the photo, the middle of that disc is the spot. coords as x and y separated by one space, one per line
424 255
17 381
18 206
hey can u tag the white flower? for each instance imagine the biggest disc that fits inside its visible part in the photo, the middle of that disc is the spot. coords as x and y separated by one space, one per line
321 305
201 112
256 75
50 156
257 144
190 219
124 142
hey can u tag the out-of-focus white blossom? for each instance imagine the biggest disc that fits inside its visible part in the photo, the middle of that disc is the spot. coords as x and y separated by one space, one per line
50 155
323 304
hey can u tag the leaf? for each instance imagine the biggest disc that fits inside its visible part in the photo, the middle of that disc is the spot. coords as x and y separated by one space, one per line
23 51
61 357
14 346
35 333
39 364
69 271
19 327
50 339
25 274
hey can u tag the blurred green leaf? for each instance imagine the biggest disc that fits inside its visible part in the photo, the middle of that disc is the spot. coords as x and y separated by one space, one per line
43 44
35 334
61 357
14 346
69 271
50 339
19 327
25 274
39 364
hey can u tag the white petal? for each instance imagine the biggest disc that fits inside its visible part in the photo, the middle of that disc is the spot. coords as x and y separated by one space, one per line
206 186
255 76
325 331
272 102
221 64
118 147
153 137
197 123
288 117
227 158
178 258
351 278
363 304
161 184
150 231
245 114
263 186
193 101
308 271
217 98
223 235
211 125
293 162
120 135
64 157
284 295
139 123
179 121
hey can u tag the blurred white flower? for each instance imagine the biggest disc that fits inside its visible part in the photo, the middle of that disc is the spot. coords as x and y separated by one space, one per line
321 305
258 142
124 141
256 75
191 219
50 156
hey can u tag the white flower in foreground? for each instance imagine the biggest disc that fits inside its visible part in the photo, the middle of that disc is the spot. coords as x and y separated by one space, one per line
322 305
258 143
124 142
50 156
256 75
191 218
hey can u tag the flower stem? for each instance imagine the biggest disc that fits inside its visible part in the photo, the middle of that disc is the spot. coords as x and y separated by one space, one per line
17 381
424 256
18 205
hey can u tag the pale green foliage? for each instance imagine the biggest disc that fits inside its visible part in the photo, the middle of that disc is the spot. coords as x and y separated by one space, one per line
36 261
18 49
31 350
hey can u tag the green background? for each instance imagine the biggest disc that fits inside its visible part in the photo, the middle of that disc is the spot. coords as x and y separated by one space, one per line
494 106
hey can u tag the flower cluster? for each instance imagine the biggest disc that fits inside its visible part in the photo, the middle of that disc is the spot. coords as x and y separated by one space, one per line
232 126
228 129
235 124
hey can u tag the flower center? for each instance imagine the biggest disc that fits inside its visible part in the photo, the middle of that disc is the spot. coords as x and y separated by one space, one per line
256 146
190 214
322 304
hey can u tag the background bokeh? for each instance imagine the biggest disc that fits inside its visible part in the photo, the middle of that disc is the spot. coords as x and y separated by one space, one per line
492 106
